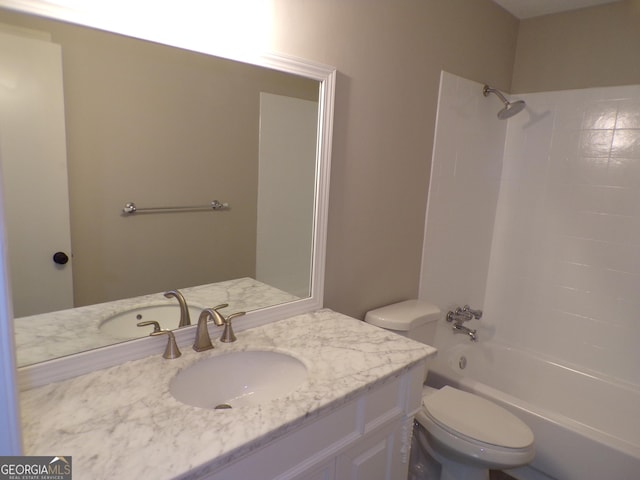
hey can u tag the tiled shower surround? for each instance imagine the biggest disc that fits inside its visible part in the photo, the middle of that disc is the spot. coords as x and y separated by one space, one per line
563 274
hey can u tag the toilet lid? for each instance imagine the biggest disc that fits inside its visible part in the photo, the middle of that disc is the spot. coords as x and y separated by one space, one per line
477 418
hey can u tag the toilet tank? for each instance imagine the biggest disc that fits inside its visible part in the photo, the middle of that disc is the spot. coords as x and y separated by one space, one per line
415 319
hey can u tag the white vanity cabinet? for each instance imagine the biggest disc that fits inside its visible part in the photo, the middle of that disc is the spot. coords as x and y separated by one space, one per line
350 419
368 438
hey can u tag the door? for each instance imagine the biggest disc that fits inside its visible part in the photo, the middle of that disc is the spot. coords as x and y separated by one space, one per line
286 179
33 159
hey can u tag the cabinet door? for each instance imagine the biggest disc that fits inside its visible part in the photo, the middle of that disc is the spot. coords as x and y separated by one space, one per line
378 456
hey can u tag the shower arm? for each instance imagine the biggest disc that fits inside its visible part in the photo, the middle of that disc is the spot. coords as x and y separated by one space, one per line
488 90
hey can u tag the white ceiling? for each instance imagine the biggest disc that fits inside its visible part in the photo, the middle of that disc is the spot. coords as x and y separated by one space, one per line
534 8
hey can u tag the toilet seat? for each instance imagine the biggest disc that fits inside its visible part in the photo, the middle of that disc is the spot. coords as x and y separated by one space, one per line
471 427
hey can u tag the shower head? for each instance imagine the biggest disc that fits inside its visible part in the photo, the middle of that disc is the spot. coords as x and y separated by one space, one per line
510 108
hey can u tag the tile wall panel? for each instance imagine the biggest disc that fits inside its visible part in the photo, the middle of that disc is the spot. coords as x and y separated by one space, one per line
465 181
541 230
564 277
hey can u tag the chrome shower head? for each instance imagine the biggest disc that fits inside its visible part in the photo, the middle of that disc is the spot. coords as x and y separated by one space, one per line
510 108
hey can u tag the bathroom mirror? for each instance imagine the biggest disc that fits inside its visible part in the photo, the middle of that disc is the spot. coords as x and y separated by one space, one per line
108 166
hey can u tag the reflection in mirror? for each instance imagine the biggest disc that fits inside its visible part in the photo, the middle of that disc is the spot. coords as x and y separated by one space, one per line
111 120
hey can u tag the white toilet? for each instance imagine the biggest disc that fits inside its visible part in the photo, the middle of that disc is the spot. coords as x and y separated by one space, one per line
468 435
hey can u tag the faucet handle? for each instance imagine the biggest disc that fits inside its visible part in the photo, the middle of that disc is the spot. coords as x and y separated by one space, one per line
228 335
463 314
458 316
172 350
477 314
218 319
156 325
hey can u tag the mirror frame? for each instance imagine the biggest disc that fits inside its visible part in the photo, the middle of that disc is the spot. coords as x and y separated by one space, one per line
118 18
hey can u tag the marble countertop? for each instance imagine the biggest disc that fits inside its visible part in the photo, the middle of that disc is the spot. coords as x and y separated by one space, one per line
51 335
122 422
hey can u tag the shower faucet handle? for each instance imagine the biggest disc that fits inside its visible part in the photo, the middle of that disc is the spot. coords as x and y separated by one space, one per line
477 314
458 316
463 314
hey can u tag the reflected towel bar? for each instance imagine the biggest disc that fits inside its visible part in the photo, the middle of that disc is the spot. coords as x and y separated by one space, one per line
130 208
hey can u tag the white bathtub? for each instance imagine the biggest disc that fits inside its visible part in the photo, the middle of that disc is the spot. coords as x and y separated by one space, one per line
586 428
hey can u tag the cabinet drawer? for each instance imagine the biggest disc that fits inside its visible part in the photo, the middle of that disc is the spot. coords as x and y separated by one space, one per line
383 404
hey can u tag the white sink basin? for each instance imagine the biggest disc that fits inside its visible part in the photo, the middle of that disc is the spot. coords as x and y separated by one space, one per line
238 379
123 325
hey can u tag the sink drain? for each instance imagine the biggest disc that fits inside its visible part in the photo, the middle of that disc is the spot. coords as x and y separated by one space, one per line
462 363
222 406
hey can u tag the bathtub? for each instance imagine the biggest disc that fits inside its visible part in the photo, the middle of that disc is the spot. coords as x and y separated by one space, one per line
585 427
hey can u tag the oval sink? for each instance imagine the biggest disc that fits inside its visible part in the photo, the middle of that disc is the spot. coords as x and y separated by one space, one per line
123 325
238 379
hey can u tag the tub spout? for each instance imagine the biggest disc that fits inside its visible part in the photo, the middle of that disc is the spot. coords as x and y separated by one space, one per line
458 328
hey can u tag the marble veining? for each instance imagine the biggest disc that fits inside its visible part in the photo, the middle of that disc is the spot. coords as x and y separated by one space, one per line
122 422
51 335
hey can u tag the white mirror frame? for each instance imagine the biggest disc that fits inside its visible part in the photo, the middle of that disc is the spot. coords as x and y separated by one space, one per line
123 17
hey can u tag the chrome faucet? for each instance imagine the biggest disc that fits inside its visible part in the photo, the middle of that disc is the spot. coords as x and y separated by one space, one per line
203 340
477 314
459 328
461 315
185 320
458 316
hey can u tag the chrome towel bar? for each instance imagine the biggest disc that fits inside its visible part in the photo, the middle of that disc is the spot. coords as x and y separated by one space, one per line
130 208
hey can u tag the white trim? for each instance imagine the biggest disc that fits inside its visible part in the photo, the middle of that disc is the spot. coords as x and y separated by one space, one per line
116 16
10 435
421 293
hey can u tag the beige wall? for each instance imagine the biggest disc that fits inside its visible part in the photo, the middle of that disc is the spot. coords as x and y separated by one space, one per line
158 126
592 47
389 55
